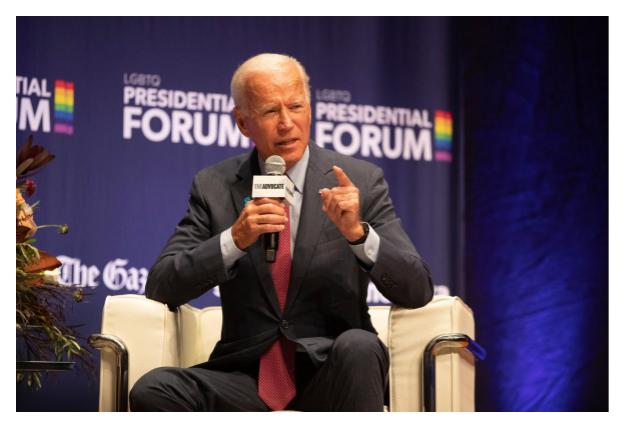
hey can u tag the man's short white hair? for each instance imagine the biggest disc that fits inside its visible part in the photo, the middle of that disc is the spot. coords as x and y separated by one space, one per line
262 63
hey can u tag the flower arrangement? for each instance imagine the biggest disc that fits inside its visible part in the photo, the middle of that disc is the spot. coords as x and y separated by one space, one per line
40 296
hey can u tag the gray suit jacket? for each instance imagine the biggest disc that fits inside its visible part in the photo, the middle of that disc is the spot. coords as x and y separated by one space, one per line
328 285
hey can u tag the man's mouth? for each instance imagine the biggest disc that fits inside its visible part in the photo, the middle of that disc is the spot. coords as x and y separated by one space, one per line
286 142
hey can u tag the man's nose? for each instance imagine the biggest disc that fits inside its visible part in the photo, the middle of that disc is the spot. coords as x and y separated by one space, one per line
284 121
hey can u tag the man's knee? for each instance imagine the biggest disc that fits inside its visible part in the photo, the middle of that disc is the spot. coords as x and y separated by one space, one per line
359 344
146 392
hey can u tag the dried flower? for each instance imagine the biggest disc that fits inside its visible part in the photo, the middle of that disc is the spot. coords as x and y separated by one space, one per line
52 276
78 295
30 187
30 159
25 226
62 229
41 326
19 199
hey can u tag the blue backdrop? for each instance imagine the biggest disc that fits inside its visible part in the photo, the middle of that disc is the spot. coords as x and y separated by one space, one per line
134 107
536 126
507 115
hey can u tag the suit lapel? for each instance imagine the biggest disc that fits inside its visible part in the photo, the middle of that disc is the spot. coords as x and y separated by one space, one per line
242 189
311 221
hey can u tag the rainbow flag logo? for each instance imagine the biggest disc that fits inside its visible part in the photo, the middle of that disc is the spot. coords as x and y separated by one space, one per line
64 107
443 133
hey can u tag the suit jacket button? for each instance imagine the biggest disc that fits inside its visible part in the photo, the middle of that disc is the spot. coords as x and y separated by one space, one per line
284 324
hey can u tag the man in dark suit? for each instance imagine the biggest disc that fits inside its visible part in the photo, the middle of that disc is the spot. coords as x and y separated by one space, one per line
296 333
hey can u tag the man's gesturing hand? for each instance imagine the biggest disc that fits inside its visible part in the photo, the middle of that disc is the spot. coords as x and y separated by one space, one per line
258 217
341 204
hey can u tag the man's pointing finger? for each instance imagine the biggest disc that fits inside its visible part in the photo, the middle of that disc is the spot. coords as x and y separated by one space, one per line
342 178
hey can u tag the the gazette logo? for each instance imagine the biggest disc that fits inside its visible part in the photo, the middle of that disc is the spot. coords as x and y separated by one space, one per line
115 275
119 276
33 103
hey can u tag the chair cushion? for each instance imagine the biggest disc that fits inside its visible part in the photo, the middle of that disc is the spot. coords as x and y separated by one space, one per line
200 329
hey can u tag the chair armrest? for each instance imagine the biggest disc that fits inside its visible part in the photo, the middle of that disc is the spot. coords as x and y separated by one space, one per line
147 329
114 344
410 332
433 349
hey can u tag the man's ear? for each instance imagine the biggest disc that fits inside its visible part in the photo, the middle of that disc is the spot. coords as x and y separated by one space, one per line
240 120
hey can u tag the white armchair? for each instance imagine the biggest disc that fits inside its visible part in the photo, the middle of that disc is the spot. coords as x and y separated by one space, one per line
432 352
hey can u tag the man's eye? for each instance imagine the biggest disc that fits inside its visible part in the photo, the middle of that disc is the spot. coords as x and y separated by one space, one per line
296 106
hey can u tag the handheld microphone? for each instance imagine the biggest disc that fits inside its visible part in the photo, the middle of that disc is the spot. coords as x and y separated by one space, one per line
274 166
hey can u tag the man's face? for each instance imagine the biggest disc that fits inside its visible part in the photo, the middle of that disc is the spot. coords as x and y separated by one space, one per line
278 119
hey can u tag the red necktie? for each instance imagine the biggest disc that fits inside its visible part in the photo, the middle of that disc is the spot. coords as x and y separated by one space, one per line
276 369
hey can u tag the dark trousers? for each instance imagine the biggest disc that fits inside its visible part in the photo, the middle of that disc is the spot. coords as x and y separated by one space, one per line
353 378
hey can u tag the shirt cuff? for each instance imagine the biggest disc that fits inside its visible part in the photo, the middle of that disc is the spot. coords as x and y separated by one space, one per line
229 251
368 251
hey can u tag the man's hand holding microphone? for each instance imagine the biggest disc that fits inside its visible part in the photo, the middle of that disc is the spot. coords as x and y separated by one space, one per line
259 216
